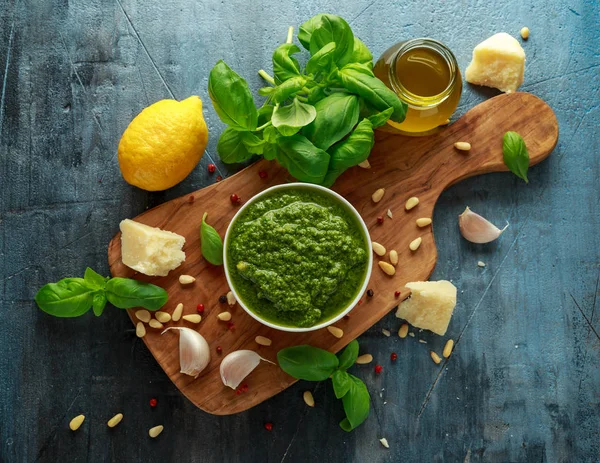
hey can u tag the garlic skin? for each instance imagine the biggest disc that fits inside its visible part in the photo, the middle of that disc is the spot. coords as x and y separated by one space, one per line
237 365
476 229
194 353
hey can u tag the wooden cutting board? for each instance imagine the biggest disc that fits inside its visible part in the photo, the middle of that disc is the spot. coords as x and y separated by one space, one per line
404 166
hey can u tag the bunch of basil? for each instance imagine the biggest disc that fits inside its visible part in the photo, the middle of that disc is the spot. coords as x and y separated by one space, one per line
313 364
317 121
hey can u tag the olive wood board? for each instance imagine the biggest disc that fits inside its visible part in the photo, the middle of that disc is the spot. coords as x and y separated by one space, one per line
404 166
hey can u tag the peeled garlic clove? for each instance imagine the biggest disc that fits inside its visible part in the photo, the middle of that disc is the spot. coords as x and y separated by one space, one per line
476 229
237 365
194 353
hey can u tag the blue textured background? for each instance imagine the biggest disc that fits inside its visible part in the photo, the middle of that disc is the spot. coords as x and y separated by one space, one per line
523 383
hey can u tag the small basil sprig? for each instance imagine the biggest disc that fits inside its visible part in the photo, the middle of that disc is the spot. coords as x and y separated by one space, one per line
314 364
211 243
516 156
72 297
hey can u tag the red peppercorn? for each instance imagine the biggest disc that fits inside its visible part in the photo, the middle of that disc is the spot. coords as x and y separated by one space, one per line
219 178
360 302
219 349
234 198
191 199
378 369
153 402
269 426
380 219
238 391
394 357
263 174
347 317
244 387
200 308
230 326
211 168
397 294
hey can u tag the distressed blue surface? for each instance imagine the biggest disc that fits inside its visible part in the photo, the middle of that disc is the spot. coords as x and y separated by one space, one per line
523 383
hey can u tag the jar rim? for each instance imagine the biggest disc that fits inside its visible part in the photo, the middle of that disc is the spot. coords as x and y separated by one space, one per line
413 99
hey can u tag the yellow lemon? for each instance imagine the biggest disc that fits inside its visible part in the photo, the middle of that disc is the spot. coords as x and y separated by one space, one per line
163 144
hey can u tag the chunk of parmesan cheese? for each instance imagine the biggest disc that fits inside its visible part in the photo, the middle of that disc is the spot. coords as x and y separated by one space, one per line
498 62
150 250
430 305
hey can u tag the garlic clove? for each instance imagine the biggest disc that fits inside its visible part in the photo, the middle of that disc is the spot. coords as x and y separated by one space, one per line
237 365
476 229
194 353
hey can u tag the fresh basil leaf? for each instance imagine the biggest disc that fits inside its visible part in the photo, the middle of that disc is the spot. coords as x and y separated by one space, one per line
356 404
231 146
99 303
379 119
321 60
231 98
361 54
361 68
348 355
126 293
288 89
341 383
305 31
289 119
516 156
253 143
333 29
211 243
337 114
316 94
374 91
285 66
70 297
270 151
265 113
94 280
307 362
270 134
302 159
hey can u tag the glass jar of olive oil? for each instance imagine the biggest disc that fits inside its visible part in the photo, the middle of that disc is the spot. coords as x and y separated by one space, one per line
425 75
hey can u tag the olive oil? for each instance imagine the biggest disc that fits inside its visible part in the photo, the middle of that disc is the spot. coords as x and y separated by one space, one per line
424 74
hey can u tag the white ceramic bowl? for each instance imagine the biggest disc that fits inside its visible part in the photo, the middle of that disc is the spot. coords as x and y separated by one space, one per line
350 208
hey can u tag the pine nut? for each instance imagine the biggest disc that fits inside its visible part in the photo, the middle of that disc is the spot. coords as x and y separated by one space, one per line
224 316
186 279
155 324
384 442
76 422
386 332
115 420
337 332
414 244
525 33
462 145
177 312
403 331
376 197
378 248
193 318
411 202
143 315
364 359
423 221
481 264
140 330
162 317
263 341
231 298
308 398
448 348
365 164
387 268
155 431
435 357
389 214
394 257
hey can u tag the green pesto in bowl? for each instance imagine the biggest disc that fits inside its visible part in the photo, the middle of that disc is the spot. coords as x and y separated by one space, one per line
296 257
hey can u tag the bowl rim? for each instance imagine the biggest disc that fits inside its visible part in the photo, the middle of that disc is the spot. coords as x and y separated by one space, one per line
360 221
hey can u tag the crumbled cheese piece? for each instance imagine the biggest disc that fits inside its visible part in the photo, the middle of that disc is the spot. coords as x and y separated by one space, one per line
498 62
430 306
150 250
